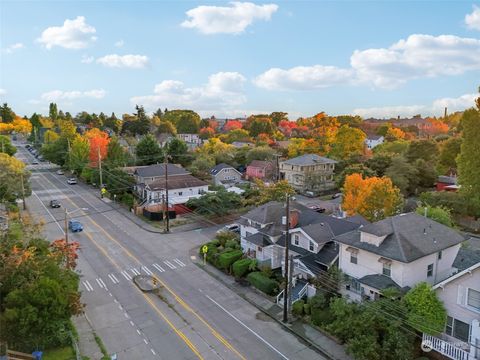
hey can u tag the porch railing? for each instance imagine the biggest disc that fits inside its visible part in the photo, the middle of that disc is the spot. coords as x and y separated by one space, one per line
445 348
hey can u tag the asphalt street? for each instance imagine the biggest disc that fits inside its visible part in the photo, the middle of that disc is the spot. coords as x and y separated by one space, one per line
194 316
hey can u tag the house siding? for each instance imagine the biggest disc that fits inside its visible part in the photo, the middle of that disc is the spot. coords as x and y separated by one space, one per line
177 196
227 174
296 174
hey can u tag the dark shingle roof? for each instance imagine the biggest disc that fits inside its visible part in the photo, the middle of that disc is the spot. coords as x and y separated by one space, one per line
407 237
357 219
216 169
379 282
374 137
466 257
309 159
177 182
452 180
159 170
259 239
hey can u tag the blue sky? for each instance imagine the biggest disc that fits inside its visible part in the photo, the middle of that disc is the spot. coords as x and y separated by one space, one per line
373 58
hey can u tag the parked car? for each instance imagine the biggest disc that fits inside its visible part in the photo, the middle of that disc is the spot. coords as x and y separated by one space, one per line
59 172
35 162
310 194
235 228
336 196
75 225
317 208
71 181
54 204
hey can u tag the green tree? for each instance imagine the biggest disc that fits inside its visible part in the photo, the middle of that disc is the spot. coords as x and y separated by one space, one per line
422 149
259 124
469 159
79 155
348 142
166 127
438 213
426 313
53 112
355 168
56 152
399 147
6 114
220 202
178 152
185 121
403 174
148 151
262 153
113 123
202 165
6 146
12 175
350 120
379 163
427 175
448 154
278 116
117 156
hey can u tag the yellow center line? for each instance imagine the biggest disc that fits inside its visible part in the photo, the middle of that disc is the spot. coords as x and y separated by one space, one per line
162 315
177 297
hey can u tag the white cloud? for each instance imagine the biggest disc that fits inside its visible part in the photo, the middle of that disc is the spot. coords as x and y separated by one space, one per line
417 56
3 92
303 78
124 61
223 90
233 19
87 59
435 109
58 95
73 34
11 48
119 43
473 20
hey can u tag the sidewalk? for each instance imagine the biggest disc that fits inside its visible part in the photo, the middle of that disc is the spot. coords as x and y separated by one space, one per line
86 340
315 338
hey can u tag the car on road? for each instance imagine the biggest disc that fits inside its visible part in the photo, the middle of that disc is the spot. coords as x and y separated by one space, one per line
71 181
59 172
35 162
317 208
54 204
235 228
75 226
336 196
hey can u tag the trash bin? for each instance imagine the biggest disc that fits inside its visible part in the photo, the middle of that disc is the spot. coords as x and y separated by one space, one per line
37 355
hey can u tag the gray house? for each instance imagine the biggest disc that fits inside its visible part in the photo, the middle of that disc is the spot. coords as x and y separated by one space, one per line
309 172
225 175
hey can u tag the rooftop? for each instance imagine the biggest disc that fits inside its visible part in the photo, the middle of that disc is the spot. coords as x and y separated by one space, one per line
159 170
176 182
309 159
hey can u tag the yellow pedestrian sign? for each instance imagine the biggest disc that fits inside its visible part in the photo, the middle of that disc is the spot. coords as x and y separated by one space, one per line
104 191
204 249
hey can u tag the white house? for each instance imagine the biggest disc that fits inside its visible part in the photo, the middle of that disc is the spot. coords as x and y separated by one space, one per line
398 252
225 175
193 140
181 188
374 140
460 294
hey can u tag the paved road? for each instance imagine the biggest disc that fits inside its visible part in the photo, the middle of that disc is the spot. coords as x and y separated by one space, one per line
195 316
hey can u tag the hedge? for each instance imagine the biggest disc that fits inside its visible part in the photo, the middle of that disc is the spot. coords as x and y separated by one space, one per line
233 244
240 267
226 259
297 308
263 283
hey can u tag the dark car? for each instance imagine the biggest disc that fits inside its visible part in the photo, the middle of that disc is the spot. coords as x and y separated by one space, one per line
317 208
75 225
54 204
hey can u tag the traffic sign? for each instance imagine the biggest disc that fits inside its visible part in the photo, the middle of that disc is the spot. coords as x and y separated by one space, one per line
103 190
204 249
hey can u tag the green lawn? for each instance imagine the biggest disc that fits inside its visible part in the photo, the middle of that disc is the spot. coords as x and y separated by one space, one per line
64 353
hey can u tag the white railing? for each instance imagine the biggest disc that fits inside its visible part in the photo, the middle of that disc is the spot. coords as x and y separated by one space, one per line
301 293
445 348
280 298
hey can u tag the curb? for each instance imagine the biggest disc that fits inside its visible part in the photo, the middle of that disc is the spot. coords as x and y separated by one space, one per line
309 343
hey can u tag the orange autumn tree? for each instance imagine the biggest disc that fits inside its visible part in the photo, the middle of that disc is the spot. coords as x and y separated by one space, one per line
374 198
98 141
436 127
394 134
232 125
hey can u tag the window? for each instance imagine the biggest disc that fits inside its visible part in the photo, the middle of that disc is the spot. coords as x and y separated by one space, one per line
180 193
457 329
473 299
353 258
387 269
296 239
430 270
440 255
311 247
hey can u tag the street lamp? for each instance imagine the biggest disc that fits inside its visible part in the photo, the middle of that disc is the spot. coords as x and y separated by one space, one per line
66 222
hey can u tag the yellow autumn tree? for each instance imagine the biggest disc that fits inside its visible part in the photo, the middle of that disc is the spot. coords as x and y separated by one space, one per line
374 198
22 126
50 136
348 142
6 128
394 134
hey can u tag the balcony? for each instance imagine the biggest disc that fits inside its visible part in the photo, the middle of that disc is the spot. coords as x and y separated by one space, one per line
445 348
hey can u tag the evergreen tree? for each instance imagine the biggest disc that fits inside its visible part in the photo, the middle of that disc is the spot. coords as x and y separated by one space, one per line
6 113
53 112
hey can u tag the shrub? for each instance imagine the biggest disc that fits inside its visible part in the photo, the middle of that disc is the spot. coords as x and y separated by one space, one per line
267 271
321 317
263 283
241 267
297 308
306 309
226 259
319 301
233 244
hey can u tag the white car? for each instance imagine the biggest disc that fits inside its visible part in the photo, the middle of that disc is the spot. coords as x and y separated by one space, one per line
59 172
231 227
71 181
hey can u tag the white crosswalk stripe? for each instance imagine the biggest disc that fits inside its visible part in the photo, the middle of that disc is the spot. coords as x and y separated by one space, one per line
179 262
147 270
126 275
99 283
113 278
87 285
158 267
169 264
135 271
104 285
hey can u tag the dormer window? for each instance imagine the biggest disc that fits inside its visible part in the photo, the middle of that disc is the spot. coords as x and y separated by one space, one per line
296 239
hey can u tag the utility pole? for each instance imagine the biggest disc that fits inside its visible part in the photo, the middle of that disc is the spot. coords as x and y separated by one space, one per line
163 209
68 154
277 167
290 284
100 171
167 229
286 273
66 227
23 191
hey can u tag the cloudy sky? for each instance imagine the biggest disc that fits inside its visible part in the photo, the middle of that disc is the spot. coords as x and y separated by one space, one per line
372 58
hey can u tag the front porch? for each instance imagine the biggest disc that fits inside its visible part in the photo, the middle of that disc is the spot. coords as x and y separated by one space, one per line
446 348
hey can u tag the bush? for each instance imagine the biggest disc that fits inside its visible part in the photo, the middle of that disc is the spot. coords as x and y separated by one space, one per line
319 301
262 283
297 308
241 267
321 317
226 259
127 199
306 309
233 244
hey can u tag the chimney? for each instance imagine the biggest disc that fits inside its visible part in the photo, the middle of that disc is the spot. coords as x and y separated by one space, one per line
293 218
445 113
398 117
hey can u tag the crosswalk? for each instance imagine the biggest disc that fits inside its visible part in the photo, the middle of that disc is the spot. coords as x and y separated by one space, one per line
113 279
